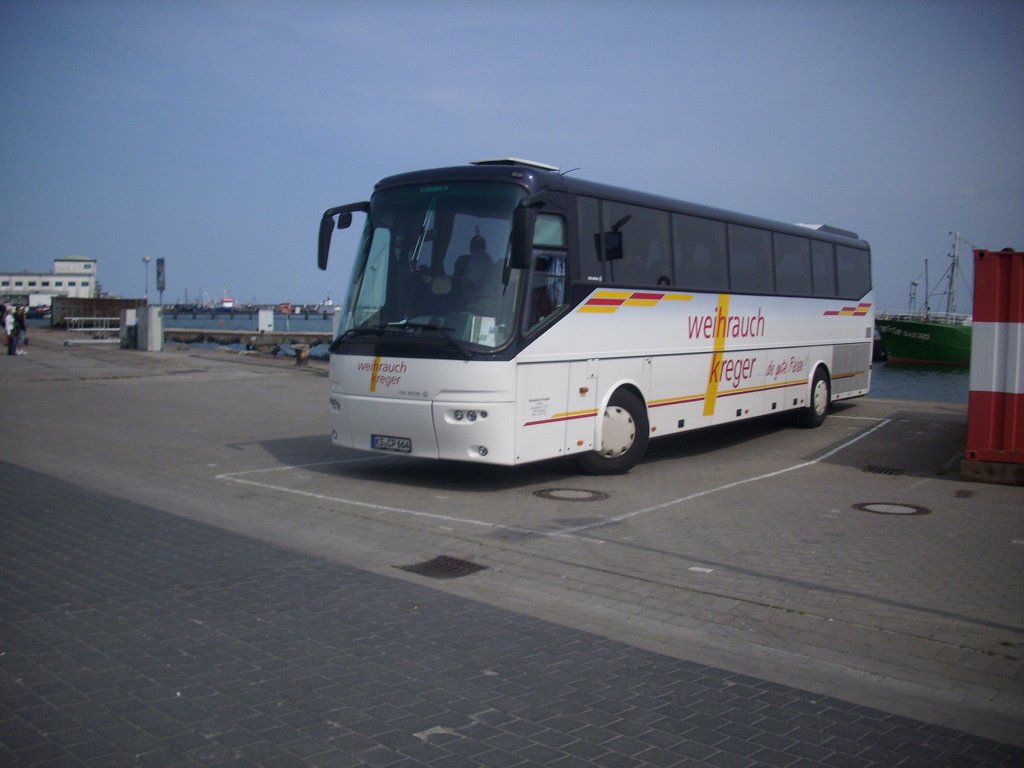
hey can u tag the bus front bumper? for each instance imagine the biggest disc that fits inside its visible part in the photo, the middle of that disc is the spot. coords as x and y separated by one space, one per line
440 429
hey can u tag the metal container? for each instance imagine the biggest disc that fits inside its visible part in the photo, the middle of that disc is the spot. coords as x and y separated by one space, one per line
995 408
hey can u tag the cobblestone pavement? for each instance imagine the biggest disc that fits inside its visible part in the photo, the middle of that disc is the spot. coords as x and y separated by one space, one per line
130 636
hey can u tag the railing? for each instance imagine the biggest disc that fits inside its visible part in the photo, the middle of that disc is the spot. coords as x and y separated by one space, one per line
946 318
93 330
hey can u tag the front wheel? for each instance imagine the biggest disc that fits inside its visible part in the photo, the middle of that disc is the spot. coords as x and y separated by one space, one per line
821 397
624 436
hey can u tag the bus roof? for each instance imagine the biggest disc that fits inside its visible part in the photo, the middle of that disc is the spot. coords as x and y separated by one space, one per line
538 177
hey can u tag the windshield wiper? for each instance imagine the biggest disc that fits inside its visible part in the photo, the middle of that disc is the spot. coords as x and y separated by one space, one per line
445 332
363 330
352 333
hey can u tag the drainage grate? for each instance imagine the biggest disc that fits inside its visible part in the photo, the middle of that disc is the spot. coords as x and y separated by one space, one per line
570 494
443 567
875 470
889 508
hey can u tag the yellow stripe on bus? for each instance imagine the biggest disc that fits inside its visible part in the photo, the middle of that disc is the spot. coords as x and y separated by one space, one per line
373 373
640 302
712 391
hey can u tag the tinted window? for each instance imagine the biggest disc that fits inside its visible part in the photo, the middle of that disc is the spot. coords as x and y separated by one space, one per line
547 287
549 231
792 265
750 260
646 255
700 254
823 268
853 270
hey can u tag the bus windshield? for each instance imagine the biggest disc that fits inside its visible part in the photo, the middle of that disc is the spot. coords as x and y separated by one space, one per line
432 264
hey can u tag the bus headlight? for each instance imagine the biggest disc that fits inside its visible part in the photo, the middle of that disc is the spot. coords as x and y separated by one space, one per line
464 416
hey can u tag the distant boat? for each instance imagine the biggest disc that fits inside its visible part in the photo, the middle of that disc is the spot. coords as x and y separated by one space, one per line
926 337
227 304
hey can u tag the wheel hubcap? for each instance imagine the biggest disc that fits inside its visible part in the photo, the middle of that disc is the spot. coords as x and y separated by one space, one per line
619 432
820 397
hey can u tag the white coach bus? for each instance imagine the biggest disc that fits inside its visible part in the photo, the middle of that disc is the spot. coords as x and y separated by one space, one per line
503 313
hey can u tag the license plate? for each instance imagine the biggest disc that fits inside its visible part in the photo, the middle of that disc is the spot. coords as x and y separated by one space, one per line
389 443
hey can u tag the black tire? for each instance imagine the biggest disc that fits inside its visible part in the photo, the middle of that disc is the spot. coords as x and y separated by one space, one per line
625 435
819 401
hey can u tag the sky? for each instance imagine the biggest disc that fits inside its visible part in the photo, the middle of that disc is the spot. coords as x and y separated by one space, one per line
214 134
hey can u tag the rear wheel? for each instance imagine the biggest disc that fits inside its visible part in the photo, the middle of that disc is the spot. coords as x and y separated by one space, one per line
624 435
821 396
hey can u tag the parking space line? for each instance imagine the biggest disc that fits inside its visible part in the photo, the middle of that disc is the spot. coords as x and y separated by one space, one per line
235 477
726 486
572 533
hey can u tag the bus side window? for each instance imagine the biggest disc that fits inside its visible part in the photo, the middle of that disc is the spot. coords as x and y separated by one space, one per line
700 261
645 241
750 260
548 279
591 264
823 268
547 287
792 265
853 272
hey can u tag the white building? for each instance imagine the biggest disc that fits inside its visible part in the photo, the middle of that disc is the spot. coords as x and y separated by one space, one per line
73 276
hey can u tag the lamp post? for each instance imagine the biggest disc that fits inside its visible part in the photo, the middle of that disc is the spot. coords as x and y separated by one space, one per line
146 260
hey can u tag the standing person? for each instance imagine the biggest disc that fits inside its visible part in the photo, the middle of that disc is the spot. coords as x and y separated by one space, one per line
12 338
21 329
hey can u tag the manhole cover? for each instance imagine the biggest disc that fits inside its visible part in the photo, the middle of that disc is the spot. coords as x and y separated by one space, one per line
443 567
570 494
889 508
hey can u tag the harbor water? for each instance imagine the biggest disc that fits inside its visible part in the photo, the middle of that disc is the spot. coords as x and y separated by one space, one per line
897 382
242 321
920 382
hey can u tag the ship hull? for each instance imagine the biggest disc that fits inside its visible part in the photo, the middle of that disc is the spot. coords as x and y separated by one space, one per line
922 342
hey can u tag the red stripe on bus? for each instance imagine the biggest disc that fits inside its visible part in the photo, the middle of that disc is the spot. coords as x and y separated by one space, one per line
648 296
561 418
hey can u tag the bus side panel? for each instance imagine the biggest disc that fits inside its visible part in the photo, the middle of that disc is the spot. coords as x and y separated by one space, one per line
851 374
541 410
678 388
787 375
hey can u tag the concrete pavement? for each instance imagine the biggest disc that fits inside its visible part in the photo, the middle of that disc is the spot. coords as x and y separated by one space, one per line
764 619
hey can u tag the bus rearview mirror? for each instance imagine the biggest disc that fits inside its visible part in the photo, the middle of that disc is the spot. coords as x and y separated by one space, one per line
608 246
327 226
324 243
523 220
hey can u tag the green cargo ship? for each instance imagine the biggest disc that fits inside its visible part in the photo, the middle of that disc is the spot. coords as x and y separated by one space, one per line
932 340
926 337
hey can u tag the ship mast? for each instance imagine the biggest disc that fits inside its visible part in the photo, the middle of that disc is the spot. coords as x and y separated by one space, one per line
954 268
